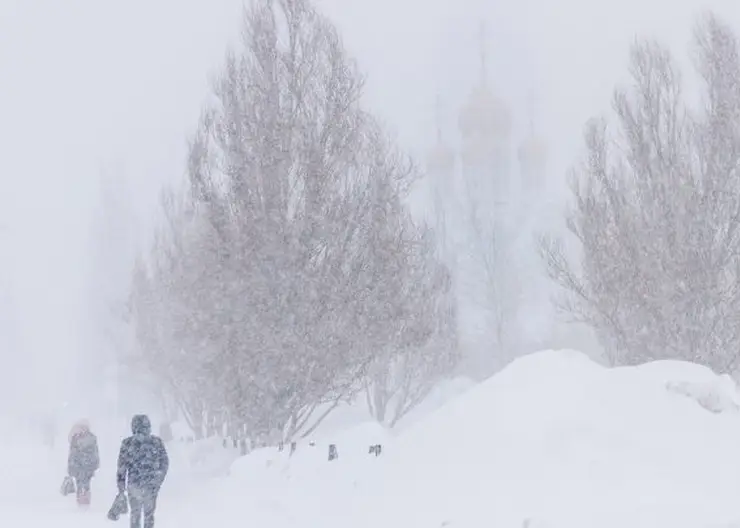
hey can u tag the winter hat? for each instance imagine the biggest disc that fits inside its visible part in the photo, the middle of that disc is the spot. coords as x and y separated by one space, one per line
140 424
81 426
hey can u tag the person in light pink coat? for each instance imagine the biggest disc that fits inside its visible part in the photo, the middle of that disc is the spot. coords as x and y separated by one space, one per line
83 460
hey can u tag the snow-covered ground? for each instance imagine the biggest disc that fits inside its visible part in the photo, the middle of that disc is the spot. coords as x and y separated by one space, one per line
553 441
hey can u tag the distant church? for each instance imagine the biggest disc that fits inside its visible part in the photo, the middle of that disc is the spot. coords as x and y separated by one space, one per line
486 198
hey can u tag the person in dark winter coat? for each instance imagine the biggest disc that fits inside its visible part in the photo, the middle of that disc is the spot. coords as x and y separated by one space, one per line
83 460
142 467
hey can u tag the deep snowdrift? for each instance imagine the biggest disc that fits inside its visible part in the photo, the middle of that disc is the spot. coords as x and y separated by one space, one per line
554 440
561 441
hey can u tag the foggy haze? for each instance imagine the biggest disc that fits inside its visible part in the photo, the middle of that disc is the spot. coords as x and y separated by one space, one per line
93 87
225 243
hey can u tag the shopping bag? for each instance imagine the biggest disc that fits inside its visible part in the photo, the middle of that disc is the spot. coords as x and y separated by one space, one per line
119 507
68 486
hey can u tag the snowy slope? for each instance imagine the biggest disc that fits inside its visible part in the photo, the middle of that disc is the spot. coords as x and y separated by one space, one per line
559 440
554 439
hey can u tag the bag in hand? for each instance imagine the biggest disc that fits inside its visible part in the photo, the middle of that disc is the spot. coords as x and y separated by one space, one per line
120 507
68 486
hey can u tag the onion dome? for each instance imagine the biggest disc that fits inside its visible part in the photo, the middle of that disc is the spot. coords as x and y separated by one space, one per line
484 115
532 153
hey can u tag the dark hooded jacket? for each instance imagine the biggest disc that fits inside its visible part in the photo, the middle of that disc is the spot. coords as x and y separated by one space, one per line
84 459
142 460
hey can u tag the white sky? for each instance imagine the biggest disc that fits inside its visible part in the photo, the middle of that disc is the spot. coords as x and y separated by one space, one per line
87 85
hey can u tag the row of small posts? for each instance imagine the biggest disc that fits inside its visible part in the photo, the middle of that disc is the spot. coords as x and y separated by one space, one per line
241 444
375 449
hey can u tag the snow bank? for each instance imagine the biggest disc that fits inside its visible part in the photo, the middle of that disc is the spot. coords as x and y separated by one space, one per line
560 441
714 393
553 441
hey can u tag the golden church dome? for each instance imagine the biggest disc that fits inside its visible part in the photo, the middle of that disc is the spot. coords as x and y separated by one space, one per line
485 115
532 152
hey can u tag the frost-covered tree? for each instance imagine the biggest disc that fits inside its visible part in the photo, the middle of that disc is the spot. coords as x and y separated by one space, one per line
425 349
279 278
161 307
657 212
492 246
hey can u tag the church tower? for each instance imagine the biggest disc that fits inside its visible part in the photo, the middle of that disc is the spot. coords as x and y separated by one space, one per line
485 126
